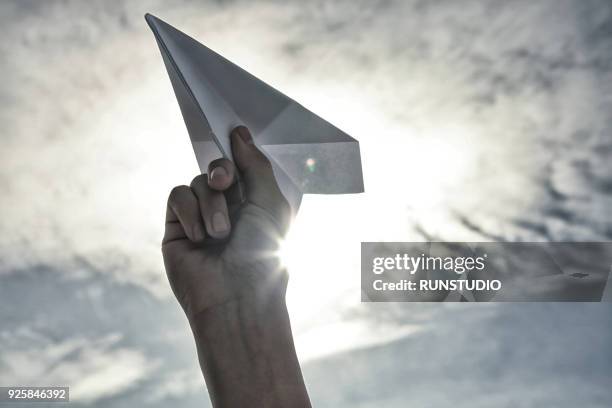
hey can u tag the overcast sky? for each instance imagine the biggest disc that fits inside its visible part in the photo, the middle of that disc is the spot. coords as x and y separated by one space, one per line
478 120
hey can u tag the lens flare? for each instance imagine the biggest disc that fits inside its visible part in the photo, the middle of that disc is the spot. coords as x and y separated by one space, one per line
311 164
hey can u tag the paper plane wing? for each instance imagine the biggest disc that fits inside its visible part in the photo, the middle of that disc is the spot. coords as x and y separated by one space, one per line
309 155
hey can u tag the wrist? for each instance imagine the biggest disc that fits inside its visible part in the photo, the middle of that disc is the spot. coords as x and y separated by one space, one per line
245 315
246 352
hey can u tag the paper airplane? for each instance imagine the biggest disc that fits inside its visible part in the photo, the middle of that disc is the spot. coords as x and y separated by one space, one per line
308 154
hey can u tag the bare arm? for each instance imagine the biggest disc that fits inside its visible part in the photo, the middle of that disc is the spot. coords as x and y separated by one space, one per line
230 284
247 355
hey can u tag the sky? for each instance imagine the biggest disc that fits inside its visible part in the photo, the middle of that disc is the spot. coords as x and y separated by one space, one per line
477 120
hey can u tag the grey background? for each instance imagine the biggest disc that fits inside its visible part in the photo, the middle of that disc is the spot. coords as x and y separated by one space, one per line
478 120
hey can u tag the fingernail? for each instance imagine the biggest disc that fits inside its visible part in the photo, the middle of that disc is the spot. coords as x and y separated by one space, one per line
198 232
244 134
219 222
218 174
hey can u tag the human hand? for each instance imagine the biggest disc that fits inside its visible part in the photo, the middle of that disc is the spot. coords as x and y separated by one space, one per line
213 257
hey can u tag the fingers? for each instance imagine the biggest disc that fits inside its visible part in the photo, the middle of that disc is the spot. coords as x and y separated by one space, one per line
212 207
256 170
199 211
221 174
183 217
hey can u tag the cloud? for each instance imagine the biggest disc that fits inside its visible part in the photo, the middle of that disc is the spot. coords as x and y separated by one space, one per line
464 101
500 355
92 368
107 340
477 120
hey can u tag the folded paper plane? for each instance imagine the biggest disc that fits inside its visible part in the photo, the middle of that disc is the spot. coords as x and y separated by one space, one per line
308 154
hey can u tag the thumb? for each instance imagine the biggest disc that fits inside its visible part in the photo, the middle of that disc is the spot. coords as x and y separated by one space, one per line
258 176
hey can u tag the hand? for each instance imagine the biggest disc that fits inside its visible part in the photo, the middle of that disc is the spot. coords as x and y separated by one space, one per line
242 262
224 272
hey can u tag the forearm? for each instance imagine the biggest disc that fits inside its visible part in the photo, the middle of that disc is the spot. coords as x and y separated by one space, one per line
246 352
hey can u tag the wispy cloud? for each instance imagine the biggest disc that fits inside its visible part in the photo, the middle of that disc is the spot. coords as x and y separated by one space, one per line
477 120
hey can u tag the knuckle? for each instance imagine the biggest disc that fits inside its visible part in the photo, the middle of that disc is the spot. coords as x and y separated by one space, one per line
199 180
176 193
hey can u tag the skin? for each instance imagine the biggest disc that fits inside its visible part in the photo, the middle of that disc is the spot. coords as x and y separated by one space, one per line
222 268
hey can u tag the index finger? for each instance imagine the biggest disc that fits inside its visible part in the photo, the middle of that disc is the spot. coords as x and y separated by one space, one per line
221 174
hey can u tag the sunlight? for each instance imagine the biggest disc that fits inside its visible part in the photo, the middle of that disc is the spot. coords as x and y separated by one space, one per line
407 171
